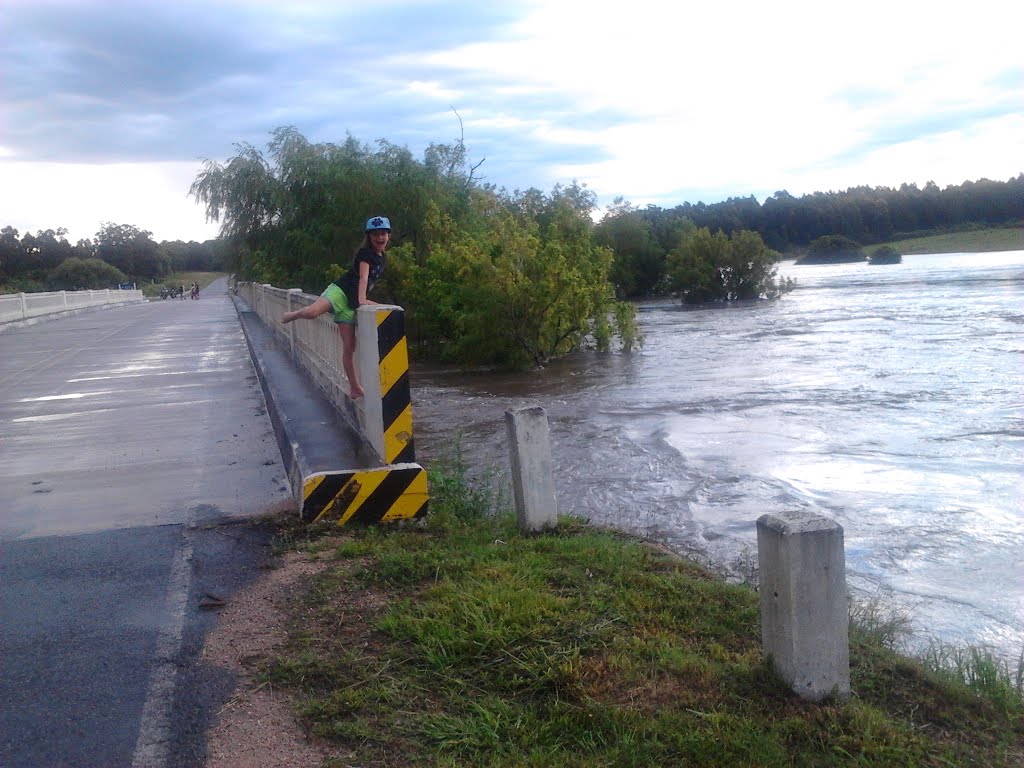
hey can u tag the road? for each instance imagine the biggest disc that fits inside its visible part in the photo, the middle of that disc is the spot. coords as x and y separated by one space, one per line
134 448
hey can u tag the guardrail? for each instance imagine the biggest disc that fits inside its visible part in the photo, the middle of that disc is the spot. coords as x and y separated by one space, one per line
23 306
384 415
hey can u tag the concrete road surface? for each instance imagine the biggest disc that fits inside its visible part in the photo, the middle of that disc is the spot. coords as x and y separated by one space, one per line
130 440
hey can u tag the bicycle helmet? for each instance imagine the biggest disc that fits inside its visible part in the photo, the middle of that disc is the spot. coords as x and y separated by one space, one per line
378 222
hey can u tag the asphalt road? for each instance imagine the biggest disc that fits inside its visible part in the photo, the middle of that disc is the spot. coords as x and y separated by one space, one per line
135 449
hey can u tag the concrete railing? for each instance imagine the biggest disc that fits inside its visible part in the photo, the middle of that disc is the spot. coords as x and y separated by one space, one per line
384 415
23 306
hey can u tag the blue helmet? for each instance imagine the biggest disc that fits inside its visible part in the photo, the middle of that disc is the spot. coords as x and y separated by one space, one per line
378 222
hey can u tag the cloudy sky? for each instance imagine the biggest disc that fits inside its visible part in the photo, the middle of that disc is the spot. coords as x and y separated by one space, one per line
108 109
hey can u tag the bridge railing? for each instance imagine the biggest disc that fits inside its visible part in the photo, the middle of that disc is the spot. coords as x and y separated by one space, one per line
384 415
22 306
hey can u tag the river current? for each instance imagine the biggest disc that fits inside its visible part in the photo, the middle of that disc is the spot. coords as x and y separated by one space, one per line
888 398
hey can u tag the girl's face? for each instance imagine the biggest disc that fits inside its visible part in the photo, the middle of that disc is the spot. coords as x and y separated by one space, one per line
379 239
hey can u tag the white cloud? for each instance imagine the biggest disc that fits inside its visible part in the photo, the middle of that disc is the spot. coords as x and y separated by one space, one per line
81 197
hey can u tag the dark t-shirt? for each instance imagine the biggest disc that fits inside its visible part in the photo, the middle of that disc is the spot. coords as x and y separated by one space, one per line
349 282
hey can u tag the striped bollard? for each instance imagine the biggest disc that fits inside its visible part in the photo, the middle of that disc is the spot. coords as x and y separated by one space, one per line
382 360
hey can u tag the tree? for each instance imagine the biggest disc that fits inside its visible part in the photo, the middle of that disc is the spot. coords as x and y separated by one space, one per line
131 250
706 267
833 249
638 265
514 293
10 253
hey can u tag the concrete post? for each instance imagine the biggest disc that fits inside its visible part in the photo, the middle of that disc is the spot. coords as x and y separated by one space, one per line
24 306
804 613
262 311
64 297
532 481
291 326
382 364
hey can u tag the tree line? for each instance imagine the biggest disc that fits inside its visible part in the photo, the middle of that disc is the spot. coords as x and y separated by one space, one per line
119 253
488 276
644 238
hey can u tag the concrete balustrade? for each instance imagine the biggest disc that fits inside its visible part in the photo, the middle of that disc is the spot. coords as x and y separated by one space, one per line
532 478
383 417
804 611
16 307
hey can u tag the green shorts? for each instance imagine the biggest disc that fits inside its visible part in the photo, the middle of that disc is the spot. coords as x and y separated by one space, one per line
343 313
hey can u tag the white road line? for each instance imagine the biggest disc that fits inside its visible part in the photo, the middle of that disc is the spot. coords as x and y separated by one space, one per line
151 748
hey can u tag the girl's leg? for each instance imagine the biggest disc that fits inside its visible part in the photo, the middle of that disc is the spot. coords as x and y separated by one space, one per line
348 351
317 308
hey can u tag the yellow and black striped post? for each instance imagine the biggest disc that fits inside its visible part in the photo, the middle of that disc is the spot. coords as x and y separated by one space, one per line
396 492
396 401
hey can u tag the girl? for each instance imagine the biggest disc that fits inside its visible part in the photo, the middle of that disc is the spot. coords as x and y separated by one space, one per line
348 292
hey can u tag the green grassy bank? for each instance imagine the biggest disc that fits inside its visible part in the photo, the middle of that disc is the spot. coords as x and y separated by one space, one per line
977 241
464 643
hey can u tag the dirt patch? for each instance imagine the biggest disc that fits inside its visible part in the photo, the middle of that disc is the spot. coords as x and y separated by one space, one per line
256 728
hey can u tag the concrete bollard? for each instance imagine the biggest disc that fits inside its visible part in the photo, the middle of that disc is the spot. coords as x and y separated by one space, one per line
290 305
532 481
804 613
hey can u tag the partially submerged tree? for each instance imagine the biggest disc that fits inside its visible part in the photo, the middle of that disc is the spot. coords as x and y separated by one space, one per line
706 267
833 249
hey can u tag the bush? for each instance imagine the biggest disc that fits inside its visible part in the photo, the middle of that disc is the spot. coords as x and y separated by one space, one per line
885 255
75 273
833 249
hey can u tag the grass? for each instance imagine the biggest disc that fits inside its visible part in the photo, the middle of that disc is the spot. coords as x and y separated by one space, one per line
465 643
972 241
180 278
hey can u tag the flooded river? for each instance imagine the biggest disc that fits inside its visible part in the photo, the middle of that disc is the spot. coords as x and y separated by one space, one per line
889 398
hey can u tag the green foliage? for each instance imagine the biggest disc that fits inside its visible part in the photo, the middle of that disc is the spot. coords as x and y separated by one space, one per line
27 260
75 273
886 254
485 277
720 267
833 249
465 642
194 257
131 250
981 670
638 267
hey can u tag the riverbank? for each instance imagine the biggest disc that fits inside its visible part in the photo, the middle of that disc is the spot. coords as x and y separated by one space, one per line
975 241
462 642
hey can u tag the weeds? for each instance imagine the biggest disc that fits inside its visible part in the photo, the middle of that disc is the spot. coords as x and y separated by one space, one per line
465 643
981 671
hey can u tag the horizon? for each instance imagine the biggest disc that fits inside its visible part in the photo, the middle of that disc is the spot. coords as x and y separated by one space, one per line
666 207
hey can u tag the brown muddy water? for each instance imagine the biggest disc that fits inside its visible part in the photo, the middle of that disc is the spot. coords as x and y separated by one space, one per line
889 398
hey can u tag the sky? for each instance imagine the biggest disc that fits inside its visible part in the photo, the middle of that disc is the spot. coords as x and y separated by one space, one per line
108 110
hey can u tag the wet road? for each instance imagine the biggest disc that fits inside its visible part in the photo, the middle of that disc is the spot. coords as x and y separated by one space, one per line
134 446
